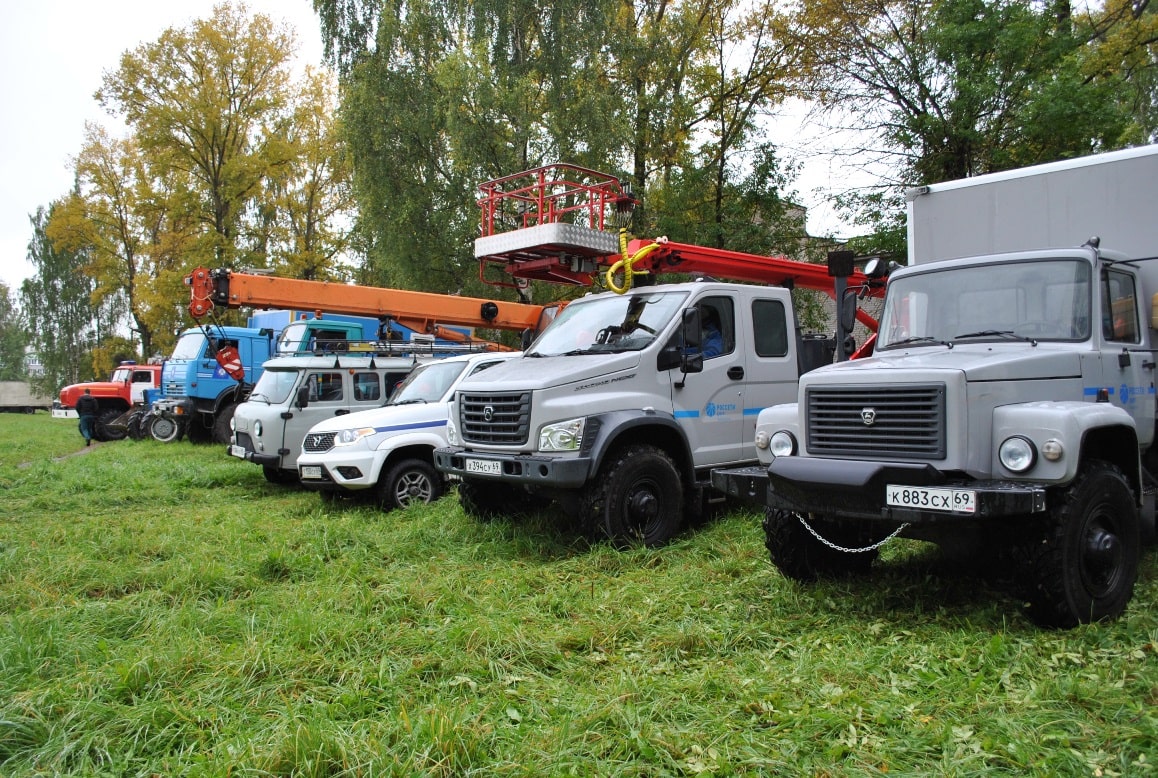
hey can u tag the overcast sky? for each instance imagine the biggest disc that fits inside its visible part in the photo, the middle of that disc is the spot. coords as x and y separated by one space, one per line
53 54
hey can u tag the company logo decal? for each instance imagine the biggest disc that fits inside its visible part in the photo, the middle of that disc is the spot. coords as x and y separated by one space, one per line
868 416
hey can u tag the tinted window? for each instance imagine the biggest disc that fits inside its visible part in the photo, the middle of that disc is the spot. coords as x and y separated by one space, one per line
771 324
367 387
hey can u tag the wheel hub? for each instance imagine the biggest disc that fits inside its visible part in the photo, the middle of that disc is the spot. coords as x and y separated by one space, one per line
643 506
1103 554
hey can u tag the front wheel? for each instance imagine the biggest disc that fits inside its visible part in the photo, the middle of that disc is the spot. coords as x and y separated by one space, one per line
798 554
222 432
1082 565
276 475
164 428
409 482
106 427
638 498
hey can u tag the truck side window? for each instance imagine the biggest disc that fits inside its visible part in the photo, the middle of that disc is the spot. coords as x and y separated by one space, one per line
771 328
718 322
366 387
142 377
1119 307
325 387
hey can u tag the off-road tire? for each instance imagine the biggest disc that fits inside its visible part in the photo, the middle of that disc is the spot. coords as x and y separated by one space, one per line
221 431
637 498
1081 561
165 429
105 432
798 555
280 476
409 482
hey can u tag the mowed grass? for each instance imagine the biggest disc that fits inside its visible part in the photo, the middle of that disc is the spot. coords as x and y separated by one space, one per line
164 611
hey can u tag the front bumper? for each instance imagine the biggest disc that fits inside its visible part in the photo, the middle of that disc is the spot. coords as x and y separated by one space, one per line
857 489
340 470
249 455
555 472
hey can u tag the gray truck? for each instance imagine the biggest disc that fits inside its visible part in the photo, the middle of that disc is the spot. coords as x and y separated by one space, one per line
1009 407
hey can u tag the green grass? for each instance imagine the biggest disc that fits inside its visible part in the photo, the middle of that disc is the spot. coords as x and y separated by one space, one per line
165 611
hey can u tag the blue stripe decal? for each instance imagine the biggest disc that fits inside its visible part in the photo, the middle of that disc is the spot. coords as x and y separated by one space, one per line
752 411
1093 391
687 414
415 426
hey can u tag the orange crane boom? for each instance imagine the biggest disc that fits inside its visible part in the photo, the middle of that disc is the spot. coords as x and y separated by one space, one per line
420 311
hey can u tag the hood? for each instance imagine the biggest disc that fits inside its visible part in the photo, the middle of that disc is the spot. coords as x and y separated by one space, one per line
531 373
978 361
71 393
389 416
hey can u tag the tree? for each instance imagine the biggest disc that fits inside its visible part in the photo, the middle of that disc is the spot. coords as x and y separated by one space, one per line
57 301
209 101
13 337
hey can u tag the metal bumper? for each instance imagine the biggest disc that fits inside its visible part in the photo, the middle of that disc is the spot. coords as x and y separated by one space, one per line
525 469
857 489
265 460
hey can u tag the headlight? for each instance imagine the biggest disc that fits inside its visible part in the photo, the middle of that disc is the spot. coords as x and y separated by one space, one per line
451 431
562 436
1017 454
350 437
1052 450
233 424
782 444
256 428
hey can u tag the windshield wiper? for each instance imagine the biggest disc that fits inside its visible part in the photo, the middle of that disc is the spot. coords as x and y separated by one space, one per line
920 339
1007 334
411 401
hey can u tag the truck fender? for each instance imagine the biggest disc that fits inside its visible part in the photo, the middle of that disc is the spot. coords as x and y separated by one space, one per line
408 441
1085 430
773 419
605 431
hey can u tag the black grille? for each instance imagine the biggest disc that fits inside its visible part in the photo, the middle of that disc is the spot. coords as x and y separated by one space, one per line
906 421
244 441
504 419
318 442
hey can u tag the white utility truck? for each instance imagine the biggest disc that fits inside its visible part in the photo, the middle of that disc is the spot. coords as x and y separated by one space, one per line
386 453
1009 407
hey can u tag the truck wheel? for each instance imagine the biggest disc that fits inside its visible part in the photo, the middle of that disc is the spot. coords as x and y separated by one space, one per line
638 498
1082 567
409 482
221 431
133 425
164 429
800 556
276 475
104 426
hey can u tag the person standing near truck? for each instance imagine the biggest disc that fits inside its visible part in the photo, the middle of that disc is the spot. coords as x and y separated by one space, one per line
87 408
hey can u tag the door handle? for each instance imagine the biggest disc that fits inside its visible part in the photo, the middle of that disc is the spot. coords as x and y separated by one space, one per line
735 372
341 411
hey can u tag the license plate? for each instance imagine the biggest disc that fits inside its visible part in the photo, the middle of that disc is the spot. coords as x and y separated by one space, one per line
935 499
484 466
237 451
312 471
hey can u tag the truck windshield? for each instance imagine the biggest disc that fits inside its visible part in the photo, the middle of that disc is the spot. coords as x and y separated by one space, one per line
189 346
274 386
291 338
1039 300
428 383
122 374
628 322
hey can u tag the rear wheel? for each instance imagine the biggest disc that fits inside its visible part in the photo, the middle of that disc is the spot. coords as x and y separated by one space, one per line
800 555
164 428
409 482
1083 564
638 498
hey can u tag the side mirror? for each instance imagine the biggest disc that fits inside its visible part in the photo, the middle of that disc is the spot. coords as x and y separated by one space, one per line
526 338
303 397
848 311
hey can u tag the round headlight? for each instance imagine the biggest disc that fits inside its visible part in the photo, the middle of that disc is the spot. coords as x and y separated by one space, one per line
257 428
761 439
1017 454
782 444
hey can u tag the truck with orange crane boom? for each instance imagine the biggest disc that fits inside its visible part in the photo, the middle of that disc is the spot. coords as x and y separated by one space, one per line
623 406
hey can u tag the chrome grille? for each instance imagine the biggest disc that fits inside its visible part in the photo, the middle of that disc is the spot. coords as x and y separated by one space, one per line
877 422
318 442
503 419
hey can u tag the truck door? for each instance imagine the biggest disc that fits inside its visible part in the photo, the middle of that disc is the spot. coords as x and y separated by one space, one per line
142 380
1131 385
710 404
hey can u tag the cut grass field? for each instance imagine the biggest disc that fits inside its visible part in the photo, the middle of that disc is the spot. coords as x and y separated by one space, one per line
164 611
